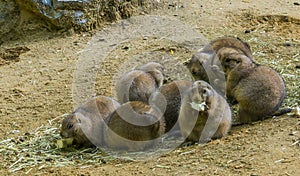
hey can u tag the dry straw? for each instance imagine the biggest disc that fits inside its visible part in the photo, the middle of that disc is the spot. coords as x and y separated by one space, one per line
38 150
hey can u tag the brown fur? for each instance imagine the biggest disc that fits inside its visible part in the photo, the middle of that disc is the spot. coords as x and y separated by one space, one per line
230 42
138 85
258 90
211 123
85 124
168 100
205 66
198 65
134 126
156 70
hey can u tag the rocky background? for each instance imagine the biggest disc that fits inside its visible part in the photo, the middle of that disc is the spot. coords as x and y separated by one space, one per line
80 15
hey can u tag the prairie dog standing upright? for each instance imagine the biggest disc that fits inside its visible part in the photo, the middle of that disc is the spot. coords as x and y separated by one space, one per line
258 90
204 114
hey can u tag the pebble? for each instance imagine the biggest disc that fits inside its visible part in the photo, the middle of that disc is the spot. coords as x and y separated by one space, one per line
15 131
287 44
125 48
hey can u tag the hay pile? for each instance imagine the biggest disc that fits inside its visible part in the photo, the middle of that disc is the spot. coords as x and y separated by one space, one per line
38 149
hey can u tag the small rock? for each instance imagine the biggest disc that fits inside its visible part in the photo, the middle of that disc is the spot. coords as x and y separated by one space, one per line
247 31
51 170
15 131
293 133
49 159
287 44
239 166
125 48
21 138
296 111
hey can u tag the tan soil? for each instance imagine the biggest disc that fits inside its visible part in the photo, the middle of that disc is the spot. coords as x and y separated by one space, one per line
37 86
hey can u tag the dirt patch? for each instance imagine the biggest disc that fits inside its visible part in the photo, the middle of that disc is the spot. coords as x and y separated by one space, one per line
272 24
12 54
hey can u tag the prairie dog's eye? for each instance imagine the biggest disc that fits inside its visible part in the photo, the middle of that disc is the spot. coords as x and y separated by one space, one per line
227 60
70 126
204 91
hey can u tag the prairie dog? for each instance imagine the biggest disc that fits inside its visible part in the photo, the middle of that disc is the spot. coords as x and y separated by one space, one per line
204 114
138 85
168 99
204 65
85 124
199 64
230 42
134 126
258 90
156 70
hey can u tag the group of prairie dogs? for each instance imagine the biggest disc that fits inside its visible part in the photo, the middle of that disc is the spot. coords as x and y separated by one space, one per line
146 109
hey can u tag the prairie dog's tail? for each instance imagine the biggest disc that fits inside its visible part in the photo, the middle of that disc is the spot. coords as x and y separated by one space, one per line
280 112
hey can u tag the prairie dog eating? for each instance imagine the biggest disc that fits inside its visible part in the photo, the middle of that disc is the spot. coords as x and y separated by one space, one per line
85 124
204 114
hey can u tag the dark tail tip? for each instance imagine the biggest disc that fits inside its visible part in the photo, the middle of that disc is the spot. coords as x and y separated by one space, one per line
282 111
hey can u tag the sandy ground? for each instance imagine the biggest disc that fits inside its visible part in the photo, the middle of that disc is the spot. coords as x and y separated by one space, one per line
37 86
